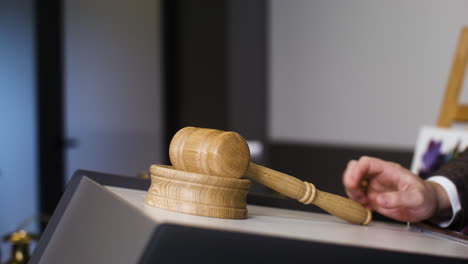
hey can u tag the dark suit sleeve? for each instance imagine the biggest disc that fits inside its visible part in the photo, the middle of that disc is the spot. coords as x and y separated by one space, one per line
457 171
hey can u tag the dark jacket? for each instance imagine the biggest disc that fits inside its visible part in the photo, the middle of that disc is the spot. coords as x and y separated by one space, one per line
457 171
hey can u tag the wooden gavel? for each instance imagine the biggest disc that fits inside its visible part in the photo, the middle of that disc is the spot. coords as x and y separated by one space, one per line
226 154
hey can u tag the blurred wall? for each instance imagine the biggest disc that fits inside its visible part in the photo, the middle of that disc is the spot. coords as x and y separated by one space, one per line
360 72
113 98
18 166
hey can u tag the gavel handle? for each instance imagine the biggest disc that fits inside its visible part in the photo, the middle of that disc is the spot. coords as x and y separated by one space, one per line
306 193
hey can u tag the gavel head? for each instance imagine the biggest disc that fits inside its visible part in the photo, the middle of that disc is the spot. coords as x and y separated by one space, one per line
210 151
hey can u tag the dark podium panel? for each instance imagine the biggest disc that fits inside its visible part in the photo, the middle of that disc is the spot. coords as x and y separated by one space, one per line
101 218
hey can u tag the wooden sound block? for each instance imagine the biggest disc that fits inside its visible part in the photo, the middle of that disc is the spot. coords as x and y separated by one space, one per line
197 194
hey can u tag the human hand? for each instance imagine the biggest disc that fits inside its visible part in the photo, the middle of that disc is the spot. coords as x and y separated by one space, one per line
392 190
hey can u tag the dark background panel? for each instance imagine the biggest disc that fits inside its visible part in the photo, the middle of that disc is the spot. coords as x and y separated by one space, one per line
215 65
49 65
195 54
248 68
323 165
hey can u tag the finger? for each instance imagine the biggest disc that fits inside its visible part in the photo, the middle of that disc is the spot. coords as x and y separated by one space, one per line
367 166
387 173
377 187
395 213
353 192
357 196
391 200
401 214
347 173
356 172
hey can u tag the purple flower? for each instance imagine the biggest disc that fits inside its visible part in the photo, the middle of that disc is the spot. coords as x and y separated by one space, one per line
432 153
433 159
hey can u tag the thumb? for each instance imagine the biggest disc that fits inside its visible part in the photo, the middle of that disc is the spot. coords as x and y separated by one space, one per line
390 200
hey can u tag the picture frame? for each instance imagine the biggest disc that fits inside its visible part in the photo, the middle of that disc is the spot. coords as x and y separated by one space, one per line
435 146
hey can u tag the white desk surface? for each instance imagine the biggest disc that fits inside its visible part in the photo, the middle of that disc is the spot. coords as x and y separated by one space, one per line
307 226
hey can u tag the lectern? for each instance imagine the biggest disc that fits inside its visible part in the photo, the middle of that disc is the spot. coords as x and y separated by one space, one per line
102 218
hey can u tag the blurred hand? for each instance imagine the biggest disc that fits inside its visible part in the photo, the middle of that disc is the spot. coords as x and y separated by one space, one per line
392 190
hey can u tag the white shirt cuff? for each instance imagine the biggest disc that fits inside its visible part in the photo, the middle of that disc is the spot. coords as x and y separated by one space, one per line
452 193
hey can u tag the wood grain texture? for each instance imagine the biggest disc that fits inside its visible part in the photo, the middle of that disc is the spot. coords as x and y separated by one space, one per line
204 151
461 113
450 110
307 193
197 194
226 154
